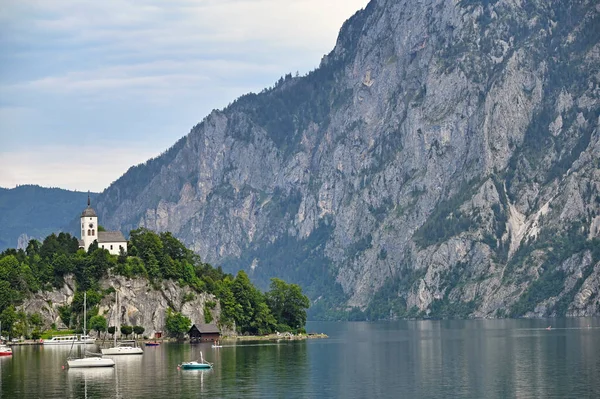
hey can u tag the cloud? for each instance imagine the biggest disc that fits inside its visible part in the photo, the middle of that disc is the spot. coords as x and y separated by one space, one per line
88 167
144 70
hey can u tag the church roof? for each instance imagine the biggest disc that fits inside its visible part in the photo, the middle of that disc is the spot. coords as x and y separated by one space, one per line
88 212
110 236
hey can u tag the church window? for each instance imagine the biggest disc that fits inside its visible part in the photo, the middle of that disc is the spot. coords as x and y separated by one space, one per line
82 226
89 232
111 247
82 233
102 246
93 232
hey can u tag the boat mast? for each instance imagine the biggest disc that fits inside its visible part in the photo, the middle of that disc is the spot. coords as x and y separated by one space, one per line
116 317
84 314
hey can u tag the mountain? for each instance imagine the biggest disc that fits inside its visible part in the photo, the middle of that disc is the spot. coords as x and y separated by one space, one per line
442 161
31 211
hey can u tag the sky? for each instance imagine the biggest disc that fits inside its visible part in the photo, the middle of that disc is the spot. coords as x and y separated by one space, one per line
90 88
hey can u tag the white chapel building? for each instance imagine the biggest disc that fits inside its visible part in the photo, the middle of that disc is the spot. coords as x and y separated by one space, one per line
112 241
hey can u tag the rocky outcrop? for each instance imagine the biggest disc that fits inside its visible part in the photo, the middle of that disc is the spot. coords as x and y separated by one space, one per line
442 158
139 303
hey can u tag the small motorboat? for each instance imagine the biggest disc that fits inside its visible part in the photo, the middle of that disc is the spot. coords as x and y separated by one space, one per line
5 350
195 365
152 343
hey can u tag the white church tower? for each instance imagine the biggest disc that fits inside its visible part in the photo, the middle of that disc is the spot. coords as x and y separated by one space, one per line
89 226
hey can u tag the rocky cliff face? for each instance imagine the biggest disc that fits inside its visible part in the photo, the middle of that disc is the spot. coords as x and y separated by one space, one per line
139 304
442 160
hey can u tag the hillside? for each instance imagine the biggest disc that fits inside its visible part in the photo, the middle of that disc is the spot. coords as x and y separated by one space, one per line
36 212
442 161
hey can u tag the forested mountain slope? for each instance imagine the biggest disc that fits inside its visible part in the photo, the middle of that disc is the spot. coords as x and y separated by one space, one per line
32 211
443 160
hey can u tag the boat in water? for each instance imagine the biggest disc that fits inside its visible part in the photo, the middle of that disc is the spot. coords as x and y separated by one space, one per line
196 365
5 350
124 347
152 343
89 359
70 340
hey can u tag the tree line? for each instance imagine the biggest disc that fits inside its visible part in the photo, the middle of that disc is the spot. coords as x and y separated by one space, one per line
43 266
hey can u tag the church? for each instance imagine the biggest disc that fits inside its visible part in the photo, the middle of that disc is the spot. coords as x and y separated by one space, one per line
112 241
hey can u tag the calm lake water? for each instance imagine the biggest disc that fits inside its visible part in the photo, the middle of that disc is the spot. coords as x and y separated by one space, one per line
406 359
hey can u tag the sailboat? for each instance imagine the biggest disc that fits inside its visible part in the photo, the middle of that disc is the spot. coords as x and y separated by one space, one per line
121 349
90 359
195 365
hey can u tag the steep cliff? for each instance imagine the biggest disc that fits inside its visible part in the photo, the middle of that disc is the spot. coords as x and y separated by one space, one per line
139 304
443 160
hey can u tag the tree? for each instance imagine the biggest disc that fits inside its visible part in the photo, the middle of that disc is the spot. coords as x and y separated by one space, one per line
138 330
8 317
288 304
177 324
111 330
98 323
253 315
126 330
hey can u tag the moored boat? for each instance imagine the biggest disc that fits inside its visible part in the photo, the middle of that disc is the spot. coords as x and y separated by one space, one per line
152 343
70 340
91 361
121 348
195 365
5 350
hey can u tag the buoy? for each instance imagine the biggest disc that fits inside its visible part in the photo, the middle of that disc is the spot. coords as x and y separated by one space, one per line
63 366
549 328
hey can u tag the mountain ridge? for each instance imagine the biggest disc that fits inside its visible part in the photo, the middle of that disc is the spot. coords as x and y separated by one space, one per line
31 211
431 165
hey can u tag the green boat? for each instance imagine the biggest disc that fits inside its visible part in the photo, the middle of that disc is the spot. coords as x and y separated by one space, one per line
195 365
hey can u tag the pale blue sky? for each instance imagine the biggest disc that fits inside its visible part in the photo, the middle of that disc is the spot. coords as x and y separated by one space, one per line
90 88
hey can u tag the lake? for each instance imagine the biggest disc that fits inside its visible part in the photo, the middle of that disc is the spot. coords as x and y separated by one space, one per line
404 359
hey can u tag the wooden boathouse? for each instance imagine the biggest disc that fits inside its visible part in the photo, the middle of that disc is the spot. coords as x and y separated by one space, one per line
204 333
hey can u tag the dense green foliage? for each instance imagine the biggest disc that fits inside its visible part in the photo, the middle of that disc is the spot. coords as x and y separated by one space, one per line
157 257
53 209
126 330
288 304
98 323
177 324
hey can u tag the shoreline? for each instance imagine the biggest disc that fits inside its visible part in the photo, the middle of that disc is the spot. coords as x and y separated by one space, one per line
228 338
274 337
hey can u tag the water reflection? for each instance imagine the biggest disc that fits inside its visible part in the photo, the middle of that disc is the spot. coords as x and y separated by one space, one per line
434 359
92 382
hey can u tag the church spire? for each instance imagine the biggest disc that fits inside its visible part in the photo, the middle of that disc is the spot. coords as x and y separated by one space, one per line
88 198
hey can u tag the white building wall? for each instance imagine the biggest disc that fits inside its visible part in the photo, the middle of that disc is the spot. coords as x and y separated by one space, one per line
89 225
115 247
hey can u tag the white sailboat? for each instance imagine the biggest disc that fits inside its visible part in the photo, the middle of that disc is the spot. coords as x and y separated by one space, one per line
122 348
90 359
